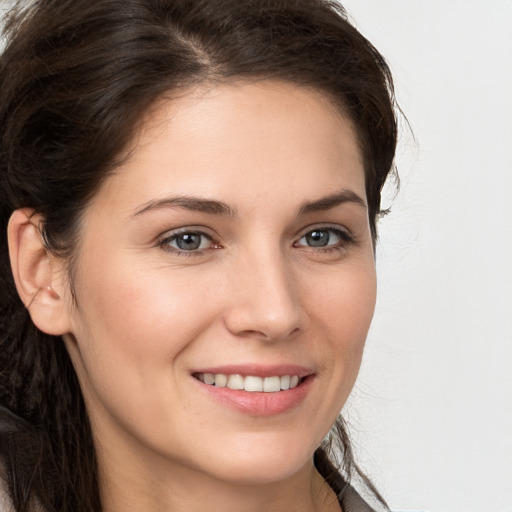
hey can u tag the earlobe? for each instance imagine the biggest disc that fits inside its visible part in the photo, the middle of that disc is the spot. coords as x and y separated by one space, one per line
38 281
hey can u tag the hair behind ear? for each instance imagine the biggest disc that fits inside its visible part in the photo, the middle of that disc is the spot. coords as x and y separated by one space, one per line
34 451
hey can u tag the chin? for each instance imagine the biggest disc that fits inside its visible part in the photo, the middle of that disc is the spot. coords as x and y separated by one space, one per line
262 474
265 462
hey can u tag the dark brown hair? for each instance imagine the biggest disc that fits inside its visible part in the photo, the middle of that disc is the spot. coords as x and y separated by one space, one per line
76 78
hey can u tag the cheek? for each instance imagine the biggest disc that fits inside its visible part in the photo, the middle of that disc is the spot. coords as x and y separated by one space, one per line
342 314
345 303
145 313
131 332
133 323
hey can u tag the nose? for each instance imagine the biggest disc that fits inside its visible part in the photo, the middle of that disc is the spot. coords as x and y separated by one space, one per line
264 299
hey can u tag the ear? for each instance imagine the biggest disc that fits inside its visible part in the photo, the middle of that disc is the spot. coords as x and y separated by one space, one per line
38 275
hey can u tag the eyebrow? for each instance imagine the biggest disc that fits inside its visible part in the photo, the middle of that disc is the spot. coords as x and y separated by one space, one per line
212 207
326 203
194 204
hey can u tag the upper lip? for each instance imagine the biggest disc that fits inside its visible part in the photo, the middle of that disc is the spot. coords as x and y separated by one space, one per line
258 370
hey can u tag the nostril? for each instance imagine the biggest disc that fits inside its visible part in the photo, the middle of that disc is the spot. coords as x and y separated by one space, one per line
268 334
264 304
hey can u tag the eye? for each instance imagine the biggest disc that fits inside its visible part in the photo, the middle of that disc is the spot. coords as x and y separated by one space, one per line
324 238
187 241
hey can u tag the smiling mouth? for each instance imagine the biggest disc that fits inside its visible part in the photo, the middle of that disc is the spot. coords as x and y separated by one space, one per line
251 383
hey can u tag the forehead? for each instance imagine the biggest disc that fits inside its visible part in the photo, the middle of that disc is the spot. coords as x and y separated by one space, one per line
241 142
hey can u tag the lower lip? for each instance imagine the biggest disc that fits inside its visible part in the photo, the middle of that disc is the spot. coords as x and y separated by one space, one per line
257 403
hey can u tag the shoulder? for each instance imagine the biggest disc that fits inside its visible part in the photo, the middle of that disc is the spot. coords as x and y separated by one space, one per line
351 501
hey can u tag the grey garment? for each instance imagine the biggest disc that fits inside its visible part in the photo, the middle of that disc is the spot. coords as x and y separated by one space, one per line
352 502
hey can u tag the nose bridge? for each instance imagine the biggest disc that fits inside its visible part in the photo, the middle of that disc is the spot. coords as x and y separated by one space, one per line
266 303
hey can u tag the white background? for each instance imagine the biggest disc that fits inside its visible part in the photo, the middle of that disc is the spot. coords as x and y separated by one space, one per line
432 410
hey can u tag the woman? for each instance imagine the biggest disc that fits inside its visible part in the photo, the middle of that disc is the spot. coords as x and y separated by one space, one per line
189 205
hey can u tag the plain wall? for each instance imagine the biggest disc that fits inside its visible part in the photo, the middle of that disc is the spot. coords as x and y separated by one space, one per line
432 410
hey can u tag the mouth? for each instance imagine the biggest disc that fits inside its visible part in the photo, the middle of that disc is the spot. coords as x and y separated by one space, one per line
257 390
250 383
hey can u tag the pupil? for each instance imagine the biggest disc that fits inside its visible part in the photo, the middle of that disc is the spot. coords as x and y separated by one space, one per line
188 241
318 238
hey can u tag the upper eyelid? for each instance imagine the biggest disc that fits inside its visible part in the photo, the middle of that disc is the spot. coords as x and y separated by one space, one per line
164 243
200 230
214 237
211 233
333 227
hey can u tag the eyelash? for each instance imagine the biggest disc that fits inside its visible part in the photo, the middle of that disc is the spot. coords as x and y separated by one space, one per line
165 243
344 236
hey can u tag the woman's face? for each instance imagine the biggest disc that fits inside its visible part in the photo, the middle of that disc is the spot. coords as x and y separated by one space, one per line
234 242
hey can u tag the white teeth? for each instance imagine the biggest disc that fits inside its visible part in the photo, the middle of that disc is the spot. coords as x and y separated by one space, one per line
250 383
221 380
235 382
271 384
209 378
253 383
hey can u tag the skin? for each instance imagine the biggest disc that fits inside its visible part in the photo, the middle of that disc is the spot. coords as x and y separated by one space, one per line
254 293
